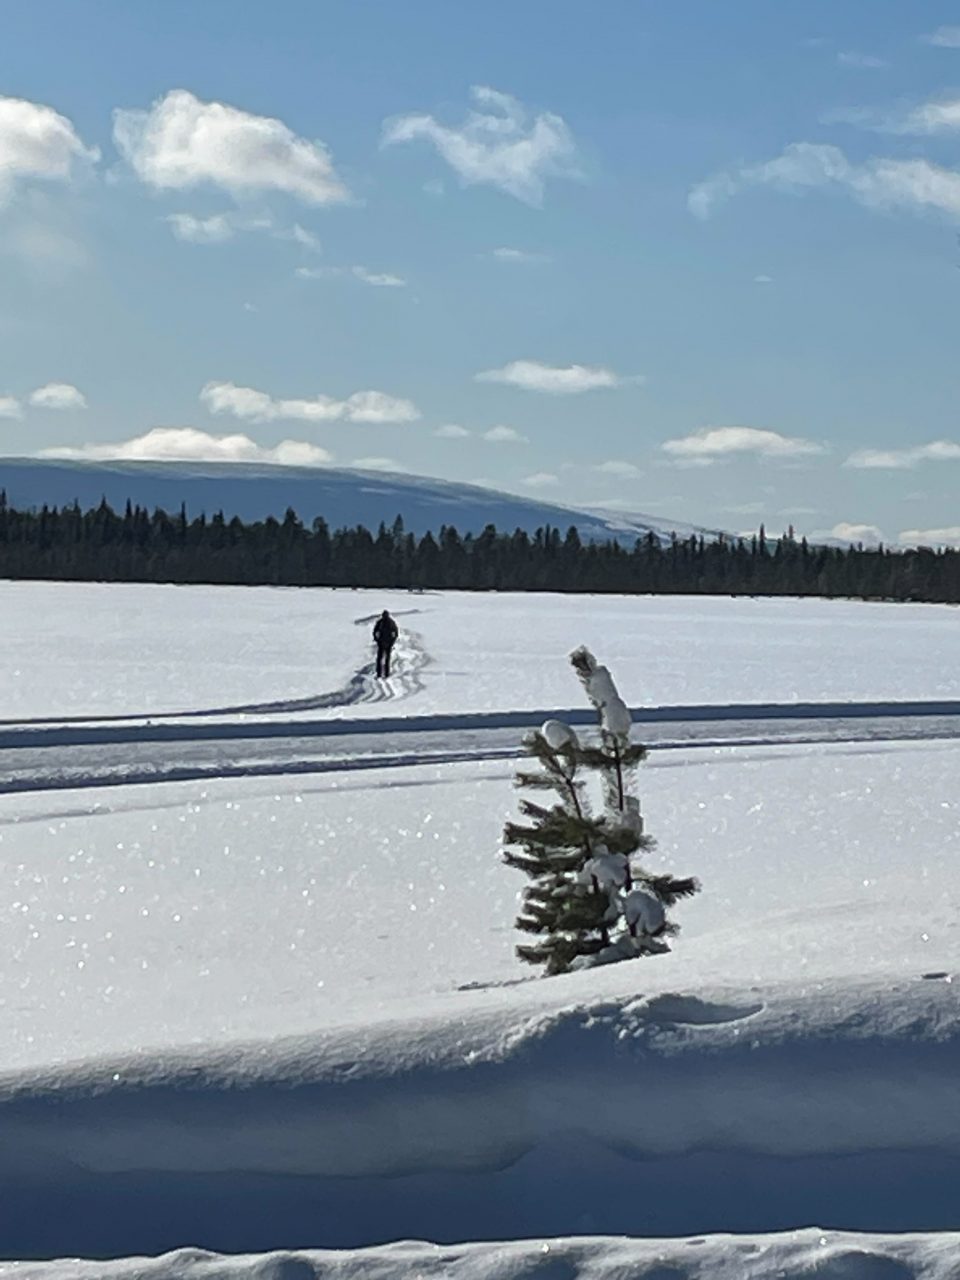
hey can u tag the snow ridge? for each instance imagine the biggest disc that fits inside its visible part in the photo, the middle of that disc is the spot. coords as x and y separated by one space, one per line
839 1105
793 1255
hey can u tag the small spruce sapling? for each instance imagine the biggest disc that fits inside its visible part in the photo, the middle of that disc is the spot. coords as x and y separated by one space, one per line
589 902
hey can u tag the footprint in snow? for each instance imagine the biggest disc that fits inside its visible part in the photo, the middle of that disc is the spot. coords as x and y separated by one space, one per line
691 1011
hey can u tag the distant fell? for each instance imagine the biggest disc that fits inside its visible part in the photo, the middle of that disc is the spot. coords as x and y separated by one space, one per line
343 497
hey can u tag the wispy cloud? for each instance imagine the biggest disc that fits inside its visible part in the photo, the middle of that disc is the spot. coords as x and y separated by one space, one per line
317 273
58 395
187 444
935 115
569 379
377 464
304 238
541 480
452 431
904 459
380 279
219 228
944 38
257 406
713 443
939 115
615 467
506 254
914 184
499 145
37 142
504 435
861 61
945 537
10 407
181 142
216 229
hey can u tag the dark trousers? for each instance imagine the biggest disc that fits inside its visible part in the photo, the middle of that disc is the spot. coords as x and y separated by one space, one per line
383 660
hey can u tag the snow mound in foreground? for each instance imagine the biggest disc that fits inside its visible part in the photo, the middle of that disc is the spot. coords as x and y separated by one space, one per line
506 1114
796 1255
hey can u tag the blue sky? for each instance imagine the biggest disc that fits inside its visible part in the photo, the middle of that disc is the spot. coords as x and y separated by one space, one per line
693 259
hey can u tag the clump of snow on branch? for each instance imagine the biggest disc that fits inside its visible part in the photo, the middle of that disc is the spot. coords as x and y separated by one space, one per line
589 901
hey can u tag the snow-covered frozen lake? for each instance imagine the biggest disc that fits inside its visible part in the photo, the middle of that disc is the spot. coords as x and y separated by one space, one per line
271 1002
89 649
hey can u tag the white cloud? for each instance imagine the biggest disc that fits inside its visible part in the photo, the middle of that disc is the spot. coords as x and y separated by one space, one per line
939 115
377 464
10 407
947 537
556 380
213 230
182 142
904 459
541 480
506 254
624 470
861 61
318 273
376 406
868 534
301 236
37 142
452 432
257 406
380 279
879 183
944 38
58 395
763 279
504 435
500 147
187 444
711 443
221 227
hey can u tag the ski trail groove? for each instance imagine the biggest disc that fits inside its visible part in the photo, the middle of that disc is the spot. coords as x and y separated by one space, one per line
85 765
409 660
410 657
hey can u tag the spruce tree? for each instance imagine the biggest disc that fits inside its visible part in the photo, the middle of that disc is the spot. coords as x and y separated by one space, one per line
589 901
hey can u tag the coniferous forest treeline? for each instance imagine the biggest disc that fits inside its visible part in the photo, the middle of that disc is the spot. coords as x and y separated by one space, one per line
142 546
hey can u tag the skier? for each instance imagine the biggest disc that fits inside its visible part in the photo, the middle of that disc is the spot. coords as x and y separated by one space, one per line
385 634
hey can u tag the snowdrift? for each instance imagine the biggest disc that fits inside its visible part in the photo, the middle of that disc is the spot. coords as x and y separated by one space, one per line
508 1113
797 1255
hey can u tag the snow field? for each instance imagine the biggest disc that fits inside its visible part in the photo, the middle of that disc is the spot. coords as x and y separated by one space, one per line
284 1013
89 649
796 1059
141 917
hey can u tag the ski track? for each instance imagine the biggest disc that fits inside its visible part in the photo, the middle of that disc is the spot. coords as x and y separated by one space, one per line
49 754
91 762
410 657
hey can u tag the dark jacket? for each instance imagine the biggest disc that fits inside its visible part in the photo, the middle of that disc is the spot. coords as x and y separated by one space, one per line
385 632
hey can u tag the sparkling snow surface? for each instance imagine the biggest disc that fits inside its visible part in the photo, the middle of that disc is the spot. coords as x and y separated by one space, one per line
284 1012
142 917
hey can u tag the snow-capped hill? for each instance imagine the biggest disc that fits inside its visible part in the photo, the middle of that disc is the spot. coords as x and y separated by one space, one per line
253 491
